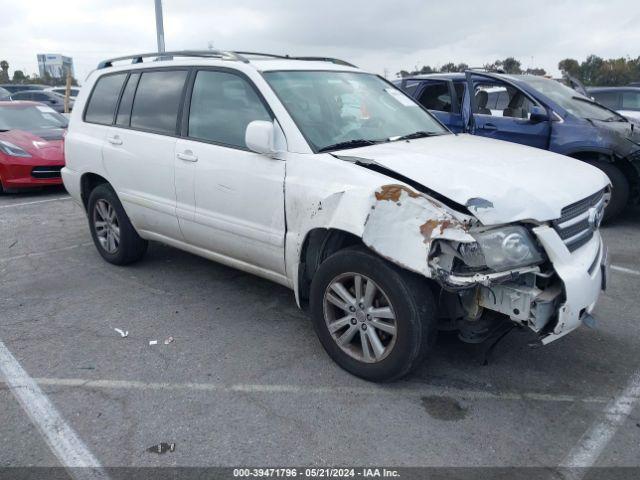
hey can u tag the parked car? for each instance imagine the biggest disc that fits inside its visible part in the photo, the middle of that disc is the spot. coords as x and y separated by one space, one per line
624 100
541 113
330 181
19 87
31 145
5 94
50 99
63 91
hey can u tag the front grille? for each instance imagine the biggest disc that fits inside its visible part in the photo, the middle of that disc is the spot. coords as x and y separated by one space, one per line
579 221
46 172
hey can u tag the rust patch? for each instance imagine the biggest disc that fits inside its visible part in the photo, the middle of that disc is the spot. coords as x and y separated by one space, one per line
393 192
427 228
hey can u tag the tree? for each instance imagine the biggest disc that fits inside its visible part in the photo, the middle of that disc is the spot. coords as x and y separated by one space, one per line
569 66
536 71
511 65
19 77
4 71
449 67
590 70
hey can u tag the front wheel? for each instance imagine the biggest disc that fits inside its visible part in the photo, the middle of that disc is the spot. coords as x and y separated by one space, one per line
375 320
620 189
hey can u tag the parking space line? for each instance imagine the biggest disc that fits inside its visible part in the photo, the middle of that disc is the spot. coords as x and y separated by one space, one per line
411 390
586 452
62 440
35 202
625 270
48 252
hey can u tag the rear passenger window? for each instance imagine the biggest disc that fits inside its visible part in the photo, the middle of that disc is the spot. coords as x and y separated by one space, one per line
124 110
157 101
436 96
222 105
103 101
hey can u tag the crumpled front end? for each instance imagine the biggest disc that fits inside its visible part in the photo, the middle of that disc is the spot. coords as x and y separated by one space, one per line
552 295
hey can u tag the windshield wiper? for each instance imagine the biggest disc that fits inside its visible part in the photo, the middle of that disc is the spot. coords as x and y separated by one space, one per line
358 142
419 134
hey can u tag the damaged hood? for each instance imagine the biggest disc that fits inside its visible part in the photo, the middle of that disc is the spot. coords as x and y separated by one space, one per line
499 182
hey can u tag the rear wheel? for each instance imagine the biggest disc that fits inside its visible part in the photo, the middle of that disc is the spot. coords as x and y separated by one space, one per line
375 320
113 235
620 189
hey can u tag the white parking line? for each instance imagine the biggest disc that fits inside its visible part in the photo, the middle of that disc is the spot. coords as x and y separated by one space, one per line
625 270
408 390
57 199
586 452
62 440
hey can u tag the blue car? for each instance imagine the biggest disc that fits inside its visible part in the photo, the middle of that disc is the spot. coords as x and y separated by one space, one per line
538 112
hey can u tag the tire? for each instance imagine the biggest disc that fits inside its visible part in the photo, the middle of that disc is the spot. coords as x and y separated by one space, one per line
620 190
411 302
129 247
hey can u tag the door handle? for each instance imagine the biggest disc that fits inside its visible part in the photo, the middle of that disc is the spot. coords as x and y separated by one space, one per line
187 156
115 140
489 126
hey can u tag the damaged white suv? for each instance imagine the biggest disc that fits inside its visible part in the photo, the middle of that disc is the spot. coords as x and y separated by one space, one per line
329 180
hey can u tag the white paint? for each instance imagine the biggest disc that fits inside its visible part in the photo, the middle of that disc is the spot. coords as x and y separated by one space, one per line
417 390
62 440
586 452
625 270
57 199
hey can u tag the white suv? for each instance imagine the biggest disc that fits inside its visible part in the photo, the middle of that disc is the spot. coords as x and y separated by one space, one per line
330 181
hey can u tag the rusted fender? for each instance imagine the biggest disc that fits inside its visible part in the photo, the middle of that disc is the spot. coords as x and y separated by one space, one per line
403 223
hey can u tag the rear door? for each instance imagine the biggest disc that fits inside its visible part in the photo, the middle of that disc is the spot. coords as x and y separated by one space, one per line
510 122
140 147
230 200
441 99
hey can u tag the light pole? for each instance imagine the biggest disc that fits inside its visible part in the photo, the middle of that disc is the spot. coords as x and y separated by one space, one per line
159 26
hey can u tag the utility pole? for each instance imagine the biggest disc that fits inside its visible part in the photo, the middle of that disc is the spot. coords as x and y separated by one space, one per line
159 26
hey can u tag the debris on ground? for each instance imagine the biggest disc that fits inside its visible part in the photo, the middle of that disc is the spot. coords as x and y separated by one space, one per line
122 333
161 448
153 342
168 341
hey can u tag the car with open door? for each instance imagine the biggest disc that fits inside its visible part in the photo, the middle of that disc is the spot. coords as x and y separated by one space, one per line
330 181
537 112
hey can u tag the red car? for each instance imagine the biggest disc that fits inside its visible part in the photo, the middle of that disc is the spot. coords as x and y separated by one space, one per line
31 145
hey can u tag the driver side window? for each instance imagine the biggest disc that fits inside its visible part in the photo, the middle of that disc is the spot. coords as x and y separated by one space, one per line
500 99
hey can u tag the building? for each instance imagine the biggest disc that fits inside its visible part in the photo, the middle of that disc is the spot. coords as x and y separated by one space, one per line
55 65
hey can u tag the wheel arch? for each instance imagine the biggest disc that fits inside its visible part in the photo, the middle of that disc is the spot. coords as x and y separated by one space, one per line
319 244
88 182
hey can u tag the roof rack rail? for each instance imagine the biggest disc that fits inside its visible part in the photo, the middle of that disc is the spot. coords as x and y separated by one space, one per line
337 61
485 69
138 58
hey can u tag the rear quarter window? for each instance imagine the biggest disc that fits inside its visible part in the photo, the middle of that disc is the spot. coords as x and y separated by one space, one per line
104 98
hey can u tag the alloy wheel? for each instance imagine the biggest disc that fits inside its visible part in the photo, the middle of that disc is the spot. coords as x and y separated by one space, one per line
107 228
360 317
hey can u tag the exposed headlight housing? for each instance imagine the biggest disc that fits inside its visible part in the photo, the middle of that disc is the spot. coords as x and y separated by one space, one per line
12 150
501 249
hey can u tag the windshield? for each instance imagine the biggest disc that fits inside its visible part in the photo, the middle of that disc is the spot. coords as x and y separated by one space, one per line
570 100
336 110
30 118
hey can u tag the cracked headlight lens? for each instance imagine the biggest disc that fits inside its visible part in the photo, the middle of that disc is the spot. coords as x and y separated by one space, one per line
502 249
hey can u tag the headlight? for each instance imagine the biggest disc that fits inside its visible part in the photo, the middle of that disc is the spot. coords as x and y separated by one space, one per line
501 249
12 150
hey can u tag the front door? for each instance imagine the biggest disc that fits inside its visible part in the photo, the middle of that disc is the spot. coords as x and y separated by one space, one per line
230 201
502 111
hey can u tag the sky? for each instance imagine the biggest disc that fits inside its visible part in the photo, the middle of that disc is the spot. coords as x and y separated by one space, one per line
379 36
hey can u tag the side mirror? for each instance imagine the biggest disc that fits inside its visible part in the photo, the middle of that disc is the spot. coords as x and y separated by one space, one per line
259 137
538 115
